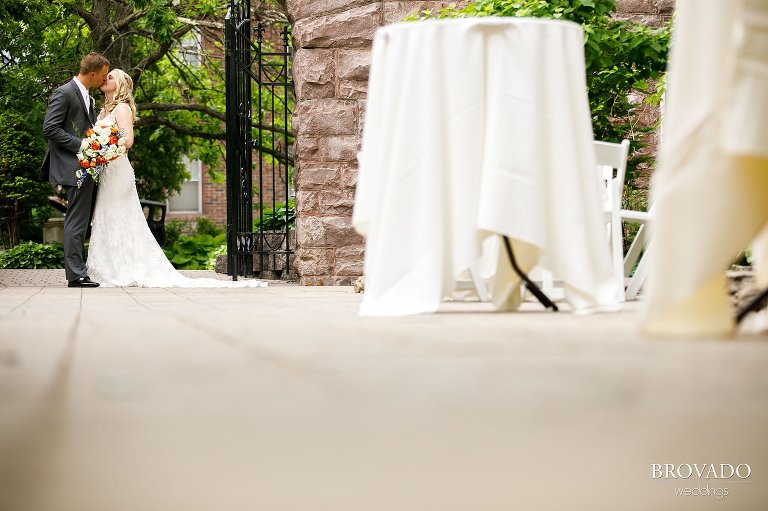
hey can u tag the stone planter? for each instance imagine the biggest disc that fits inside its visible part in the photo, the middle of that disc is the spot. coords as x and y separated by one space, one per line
742 286
53 230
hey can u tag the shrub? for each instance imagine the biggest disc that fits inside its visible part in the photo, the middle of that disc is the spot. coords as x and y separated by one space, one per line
173 230
193 252
21 151
206 226
213 255
33 256
276 219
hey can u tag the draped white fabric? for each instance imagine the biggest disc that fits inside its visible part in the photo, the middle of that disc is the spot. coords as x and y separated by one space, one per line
477 127
710 192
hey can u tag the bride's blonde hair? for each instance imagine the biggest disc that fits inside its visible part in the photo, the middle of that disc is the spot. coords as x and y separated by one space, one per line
123 92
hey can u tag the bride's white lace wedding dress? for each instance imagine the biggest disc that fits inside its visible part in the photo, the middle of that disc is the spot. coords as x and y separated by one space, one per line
123 251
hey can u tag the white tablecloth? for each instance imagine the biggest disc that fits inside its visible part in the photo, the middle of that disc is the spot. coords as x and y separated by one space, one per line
711 190
477 127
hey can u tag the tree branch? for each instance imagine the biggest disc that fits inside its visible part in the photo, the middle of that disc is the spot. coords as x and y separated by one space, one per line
178 128
123 23
268 14
194 107
158 54
170 107
78 10
201 23
149 120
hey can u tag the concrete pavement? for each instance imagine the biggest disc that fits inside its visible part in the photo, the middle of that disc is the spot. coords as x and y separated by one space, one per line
281 398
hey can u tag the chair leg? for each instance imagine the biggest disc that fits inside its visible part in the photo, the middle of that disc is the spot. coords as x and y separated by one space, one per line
635 250
641 274
617 255
547 282
477 281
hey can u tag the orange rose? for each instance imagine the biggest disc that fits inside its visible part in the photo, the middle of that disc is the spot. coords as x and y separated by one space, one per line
113 140
95 145
92 163
88 132
84 164
113 130
100 160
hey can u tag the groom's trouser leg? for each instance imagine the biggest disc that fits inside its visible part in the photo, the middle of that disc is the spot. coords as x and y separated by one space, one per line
75 227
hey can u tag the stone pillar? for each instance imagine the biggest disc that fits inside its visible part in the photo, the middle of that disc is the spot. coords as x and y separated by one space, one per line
648 12
332 40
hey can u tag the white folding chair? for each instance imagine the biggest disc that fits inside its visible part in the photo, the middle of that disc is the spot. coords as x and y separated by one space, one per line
636 258
612 160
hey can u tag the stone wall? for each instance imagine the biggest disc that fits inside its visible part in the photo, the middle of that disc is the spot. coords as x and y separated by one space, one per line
332 39
650 12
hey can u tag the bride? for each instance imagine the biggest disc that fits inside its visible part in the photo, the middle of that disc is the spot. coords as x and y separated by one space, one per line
122 250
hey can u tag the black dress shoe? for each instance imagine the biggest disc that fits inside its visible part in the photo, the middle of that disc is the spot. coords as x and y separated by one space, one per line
82 282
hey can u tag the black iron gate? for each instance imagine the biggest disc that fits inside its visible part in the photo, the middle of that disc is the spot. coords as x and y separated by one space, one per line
259 94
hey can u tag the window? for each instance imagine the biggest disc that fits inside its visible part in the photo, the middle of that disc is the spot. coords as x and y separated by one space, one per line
189 200
190 49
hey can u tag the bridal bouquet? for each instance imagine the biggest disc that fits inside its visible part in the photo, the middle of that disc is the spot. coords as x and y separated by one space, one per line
102 144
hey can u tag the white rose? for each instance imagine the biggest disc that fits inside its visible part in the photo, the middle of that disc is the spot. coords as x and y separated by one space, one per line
121 142
83 144
103 139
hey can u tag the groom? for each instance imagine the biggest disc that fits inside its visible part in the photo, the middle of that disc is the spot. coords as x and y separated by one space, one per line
70 113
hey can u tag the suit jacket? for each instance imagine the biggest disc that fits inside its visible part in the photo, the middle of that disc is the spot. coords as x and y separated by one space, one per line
66 121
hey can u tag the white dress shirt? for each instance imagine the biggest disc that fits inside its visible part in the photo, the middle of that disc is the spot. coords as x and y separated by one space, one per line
84 92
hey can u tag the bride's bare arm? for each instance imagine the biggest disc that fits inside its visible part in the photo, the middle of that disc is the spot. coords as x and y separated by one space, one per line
124 118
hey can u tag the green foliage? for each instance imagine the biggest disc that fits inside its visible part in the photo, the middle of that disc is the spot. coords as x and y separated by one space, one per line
173 230
193 252
206 226
276 219
622 58
211 264
636 200
20 158
34 256
181 103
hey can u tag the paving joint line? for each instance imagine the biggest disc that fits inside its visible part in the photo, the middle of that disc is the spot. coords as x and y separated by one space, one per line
29 298
124 290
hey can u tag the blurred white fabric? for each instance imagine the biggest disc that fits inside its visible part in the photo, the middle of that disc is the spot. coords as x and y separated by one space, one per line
711 190
477 127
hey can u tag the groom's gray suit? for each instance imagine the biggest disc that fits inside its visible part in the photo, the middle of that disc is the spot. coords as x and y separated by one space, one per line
66 120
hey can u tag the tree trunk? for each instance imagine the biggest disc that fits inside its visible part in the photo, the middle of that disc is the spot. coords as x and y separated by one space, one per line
116 47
